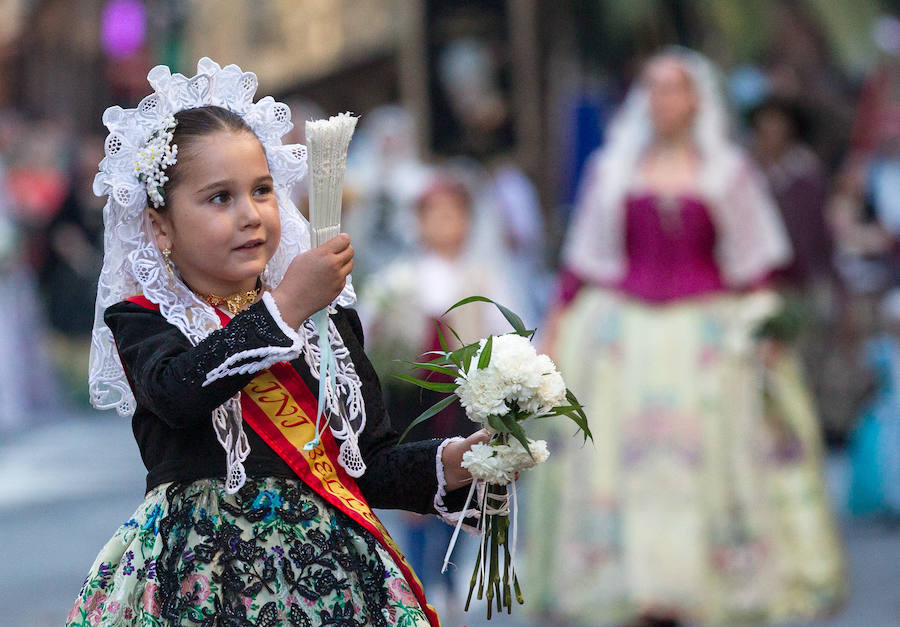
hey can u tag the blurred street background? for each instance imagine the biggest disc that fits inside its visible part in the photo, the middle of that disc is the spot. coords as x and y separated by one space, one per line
506 98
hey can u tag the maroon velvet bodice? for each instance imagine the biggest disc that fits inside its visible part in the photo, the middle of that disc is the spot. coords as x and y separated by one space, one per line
670 251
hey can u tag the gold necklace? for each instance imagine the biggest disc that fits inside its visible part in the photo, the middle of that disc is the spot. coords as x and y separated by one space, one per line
237 302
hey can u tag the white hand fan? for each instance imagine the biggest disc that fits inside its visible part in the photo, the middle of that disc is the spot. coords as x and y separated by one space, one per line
326 146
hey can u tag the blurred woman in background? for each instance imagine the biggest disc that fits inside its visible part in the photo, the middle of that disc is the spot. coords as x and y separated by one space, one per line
701 499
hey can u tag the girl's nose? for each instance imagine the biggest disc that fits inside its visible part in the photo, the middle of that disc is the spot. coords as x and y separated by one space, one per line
249 212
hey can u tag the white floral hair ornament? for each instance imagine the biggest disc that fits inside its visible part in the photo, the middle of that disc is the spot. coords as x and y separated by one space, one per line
157 154
133 264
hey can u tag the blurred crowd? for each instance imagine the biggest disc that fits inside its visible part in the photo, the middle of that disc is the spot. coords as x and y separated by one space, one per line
429 231
51 230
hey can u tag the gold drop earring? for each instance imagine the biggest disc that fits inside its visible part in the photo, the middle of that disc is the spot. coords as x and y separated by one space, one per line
167 257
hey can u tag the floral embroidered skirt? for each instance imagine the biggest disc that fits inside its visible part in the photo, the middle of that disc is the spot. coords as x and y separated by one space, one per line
273 554
702 493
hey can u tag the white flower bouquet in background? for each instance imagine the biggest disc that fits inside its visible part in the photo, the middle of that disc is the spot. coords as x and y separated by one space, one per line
501 382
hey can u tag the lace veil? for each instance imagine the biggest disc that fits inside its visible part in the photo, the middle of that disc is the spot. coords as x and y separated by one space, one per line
133 264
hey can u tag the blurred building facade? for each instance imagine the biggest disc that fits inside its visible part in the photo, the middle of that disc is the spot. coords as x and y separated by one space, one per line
486 79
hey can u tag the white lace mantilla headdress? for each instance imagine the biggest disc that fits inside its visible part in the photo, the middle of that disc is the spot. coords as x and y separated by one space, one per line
133 264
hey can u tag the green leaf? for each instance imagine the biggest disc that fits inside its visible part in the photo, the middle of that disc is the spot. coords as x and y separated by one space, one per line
517 432
463 356
441 339
428 385
574 401
582 425
428 413
496 423
456 335
485 358
514 320
450 371
409 379
563 409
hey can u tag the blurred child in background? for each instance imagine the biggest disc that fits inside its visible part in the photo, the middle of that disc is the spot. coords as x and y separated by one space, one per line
401 310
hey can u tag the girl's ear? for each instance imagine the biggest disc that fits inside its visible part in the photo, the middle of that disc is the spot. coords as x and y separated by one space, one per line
162 229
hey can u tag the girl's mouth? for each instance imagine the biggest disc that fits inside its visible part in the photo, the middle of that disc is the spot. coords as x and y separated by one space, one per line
255 243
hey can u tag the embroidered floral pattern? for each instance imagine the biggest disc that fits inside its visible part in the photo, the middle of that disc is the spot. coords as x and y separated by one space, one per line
272 554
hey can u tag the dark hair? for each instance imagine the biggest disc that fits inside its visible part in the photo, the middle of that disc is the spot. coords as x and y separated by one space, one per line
192 124
796 115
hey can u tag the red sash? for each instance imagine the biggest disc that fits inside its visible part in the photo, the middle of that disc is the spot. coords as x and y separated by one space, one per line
280 408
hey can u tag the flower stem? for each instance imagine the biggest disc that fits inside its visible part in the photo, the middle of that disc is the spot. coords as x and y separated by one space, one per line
473 581
507 563
495 561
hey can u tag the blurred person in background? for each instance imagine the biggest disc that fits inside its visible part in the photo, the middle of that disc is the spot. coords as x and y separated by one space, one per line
865 210
384 175
800 66
864 218
513 198
865 265
478 119
877 117
27 380
401 311
37 177
702 499
68 275
798 181
875 443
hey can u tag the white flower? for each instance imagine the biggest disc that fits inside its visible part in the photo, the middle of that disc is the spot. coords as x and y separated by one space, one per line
515 373
483 462
552 390
539 450
515 358
516 458
482 393
499 463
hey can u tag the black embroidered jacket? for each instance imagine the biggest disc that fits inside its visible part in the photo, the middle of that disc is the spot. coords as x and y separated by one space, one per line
172 423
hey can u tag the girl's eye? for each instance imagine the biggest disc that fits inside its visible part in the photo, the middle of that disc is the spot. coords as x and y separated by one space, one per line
220 198
263 190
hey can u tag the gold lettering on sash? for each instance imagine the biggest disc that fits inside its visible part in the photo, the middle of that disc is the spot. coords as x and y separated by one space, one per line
260 390
255 389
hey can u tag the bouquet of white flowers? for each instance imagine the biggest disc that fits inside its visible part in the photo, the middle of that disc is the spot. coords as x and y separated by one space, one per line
501 382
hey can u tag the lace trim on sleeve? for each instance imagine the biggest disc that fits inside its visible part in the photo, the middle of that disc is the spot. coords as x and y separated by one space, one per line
343 397
256 359
447 516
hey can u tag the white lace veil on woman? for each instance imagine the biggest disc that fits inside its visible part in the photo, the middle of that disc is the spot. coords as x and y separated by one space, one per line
752 237
133 264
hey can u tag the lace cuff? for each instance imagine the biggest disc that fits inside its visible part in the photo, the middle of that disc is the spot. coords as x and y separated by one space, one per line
256 359
440 507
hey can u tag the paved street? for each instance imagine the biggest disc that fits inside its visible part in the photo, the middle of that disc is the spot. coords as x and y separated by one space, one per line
67 485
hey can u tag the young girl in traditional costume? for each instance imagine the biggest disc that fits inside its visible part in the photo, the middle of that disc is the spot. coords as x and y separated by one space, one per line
702 499
255 514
